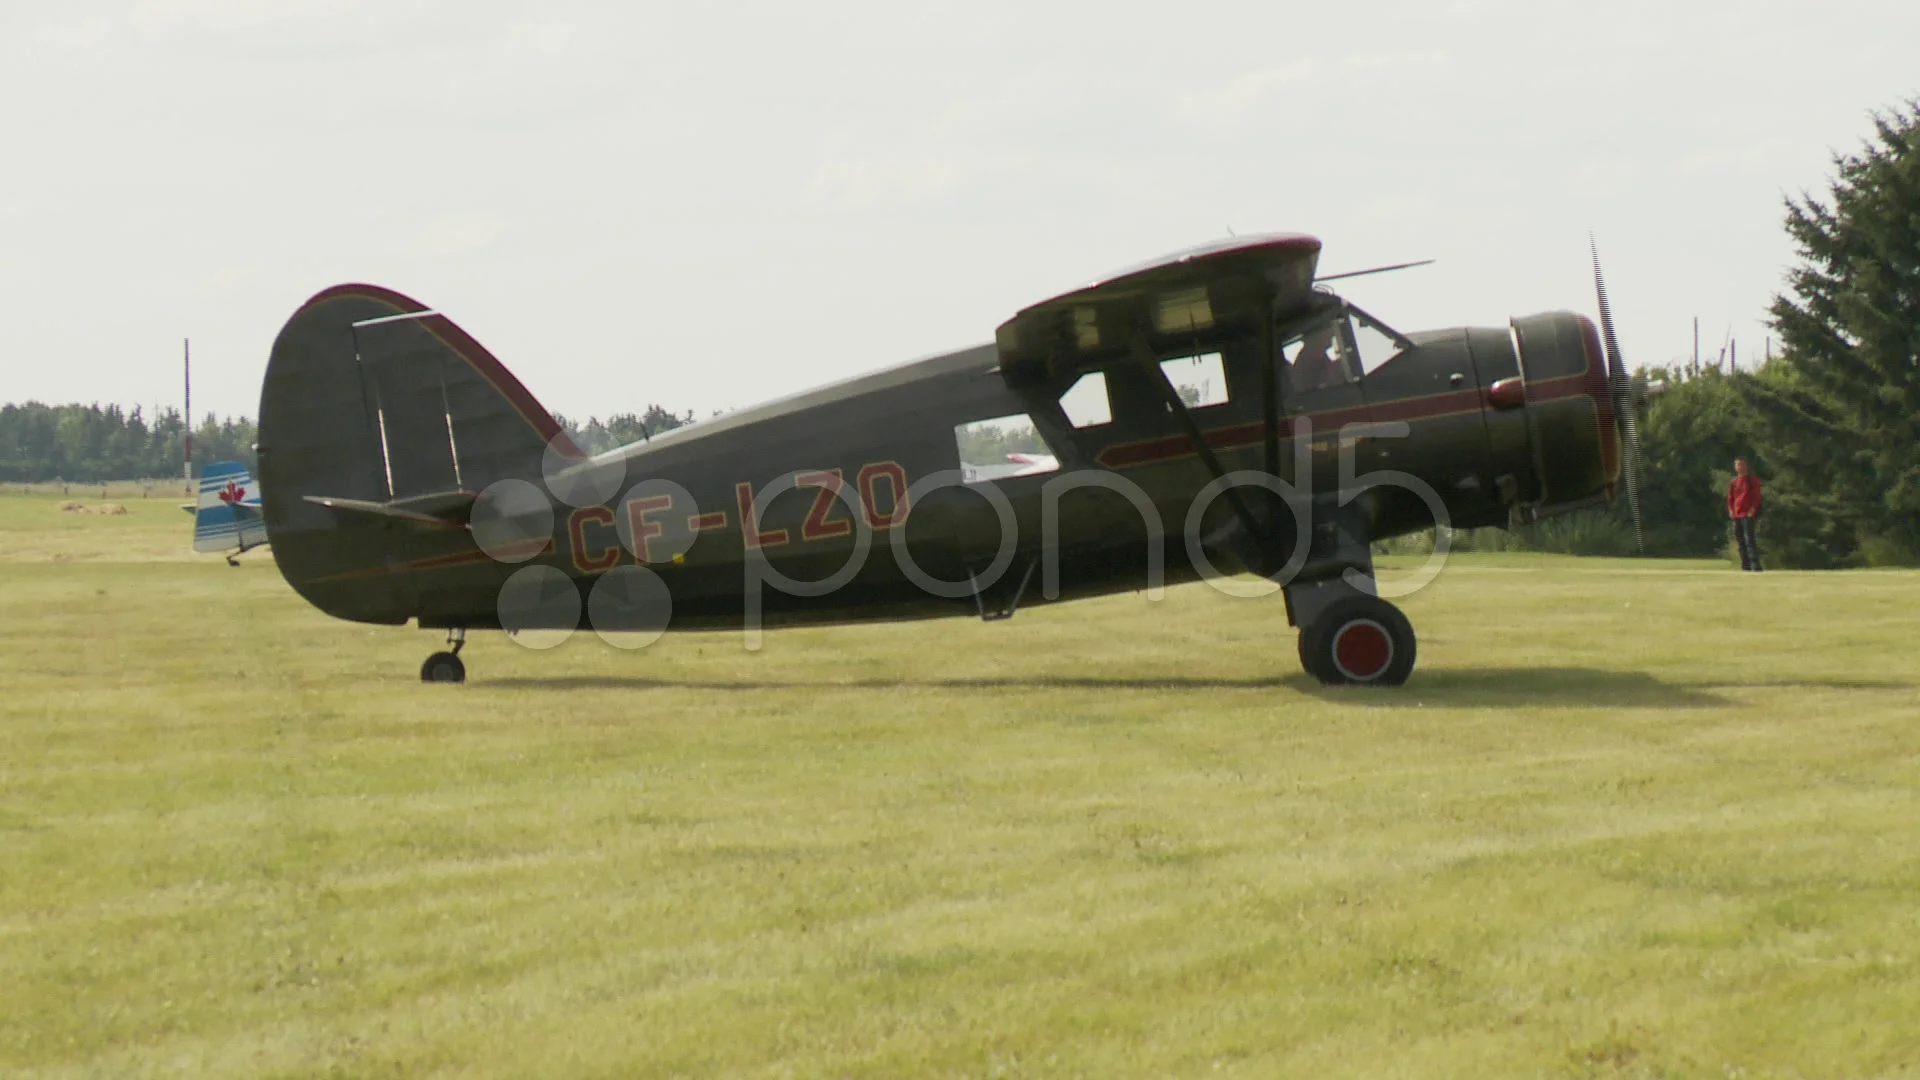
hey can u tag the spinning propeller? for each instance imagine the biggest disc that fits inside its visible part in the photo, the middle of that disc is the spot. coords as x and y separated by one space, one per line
1621 384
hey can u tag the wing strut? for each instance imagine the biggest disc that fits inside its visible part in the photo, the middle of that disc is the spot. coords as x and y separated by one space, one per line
1270 392
1143 355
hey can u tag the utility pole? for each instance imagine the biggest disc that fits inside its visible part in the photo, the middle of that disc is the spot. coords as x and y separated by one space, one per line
186 456
1696 344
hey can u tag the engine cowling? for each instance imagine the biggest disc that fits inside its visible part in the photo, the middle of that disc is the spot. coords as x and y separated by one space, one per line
1563 415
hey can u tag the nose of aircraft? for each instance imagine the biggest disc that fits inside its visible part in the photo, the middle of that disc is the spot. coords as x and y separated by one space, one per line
1572 421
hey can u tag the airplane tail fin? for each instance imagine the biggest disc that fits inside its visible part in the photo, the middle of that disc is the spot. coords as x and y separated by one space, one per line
226 516
380 420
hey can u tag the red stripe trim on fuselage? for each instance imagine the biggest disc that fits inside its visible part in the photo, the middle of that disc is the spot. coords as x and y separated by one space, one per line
1329 422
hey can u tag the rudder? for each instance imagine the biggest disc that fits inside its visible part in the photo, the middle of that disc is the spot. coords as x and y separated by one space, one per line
371 400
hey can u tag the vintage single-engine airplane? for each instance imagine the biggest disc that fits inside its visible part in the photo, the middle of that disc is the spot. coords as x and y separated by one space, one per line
1215 408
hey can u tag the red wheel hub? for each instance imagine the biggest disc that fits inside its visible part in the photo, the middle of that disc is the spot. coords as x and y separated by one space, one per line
1362 649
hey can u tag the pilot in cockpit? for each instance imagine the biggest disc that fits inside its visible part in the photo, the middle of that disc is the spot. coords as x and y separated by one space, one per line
1316 367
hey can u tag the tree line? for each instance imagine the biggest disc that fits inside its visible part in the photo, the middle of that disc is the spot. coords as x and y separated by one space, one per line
98 443
94 443
1690 435
597 436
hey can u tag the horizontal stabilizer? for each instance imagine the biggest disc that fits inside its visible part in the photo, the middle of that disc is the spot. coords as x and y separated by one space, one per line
436 510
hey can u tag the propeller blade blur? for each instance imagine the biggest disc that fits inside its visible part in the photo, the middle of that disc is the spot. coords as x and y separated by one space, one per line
1623 401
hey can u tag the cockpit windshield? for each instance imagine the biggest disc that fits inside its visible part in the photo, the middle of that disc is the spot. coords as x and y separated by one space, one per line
1338 348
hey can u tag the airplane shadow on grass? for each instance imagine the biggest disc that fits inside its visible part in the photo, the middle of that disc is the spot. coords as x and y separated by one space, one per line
1562 687
1443 688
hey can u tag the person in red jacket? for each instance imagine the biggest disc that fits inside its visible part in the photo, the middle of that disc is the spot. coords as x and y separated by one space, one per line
1743 506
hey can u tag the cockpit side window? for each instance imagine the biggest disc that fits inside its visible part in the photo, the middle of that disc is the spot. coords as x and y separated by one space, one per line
1316 359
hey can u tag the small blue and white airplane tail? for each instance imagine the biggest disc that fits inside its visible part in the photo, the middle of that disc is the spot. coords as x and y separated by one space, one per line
227 515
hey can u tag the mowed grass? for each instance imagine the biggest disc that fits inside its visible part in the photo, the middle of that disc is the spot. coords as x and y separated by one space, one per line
1628 819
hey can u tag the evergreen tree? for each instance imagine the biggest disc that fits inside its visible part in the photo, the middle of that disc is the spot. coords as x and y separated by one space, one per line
94 443
1841 413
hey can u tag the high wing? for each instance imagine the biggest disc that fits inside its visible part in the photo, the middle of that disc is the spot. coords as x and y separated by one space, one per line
1227 288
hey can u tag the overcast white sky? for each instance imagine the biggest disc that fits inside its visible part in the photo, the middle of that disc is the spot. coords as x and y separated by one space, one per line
706 207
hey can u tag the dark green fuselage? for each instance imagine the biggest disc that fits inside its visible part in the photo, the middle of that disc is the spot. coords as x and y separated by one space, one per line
381 423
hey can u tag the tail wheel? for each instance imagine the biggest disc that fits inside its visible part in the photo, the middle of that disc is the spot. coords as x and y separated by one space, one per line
443 667
1359 641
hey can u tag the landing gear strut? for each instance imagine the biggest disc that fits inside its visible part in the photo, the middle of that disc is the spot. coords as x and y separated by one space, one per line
1348 635
446 666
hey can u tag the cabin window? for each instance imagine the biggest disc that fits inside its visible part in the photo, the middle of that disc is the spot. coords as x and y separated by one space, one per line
1086 403
1201 381
1002 447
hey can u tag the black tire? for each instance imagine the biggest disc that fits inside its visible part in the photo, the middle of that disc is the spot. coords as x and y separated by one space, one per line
443 667
1359 641
1309 658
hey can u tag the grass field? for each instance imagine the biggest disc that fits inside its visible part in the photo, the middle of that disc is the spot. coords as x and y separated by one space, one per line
1628 819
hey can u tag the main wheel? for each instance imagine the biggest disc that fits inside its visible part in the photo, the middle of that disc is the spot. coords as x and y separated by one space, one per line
1310 658
443 667
1359 641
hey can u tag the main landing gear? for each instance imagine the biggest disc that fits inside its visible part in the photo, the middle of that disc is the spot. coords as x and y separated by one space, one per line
446 666
1349 637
